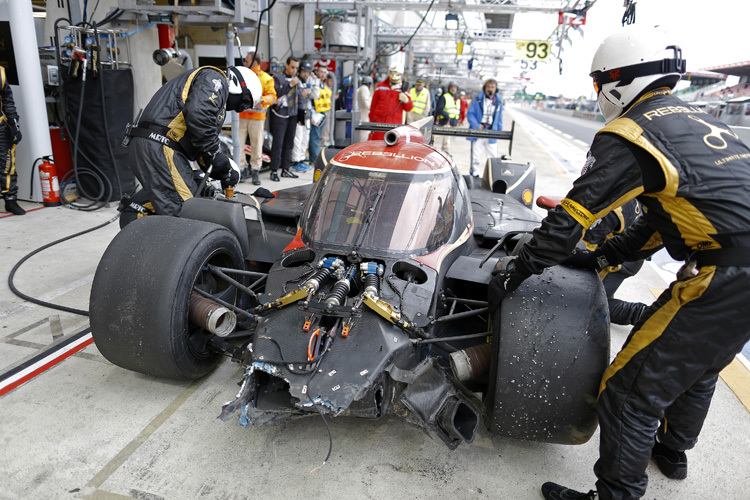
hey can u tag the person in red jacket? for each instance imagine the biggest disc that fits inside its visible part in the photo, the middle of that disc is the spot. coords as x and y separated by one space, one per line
464 102
389 101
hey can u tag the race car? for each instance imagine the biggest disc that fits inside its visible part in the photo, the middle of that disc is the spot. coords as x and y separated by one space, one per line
363 295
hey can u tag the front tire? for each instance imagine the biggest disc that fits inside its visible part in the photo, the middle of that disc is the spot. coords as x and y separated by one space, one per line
550 350
141 294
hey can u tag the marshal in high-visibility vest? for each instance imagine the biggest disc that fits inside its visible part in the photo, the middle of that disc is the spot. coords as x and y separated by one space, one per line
323 104
420 100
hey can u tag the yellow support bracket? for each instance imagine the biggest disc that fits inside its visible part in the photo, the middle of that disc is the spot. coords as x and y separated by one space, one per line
384 309
290 297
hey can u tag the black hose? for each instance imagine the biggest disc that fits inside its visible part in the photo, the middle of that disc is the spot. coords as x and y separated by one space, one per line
28 256
257 33
102 181
93 172
104 119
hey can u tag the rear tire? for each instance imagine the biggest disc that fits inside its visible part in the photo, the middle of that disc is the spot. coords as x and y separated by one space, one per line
550 348
141 294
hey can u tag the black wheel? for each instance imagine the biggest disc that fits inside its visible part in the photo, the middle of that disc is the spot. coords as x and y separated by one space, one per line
141 292
550 349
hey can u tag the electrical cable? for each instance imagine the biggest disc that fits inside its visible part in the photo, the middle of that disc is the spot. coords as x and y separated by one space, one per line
325 422
260 22
28 256
112 16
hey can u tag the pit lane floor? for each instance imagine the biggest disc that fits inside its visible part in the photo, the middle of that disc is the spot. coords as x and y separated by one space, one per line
83 428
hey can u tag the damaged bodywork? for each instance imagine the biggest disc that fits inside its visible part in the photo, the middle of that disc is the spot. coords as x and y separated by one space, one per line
363 295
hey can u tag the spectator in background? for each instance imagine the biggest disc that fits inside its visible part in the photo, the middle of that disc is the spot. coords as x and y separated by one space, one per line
364 100
253 121
485 113
464 107
284 118
308 91
447 112
420 97
325 138
321 106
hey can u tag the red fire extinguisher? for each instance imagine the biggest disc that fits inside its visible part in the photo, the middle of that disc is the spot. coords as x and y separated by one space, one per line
50 183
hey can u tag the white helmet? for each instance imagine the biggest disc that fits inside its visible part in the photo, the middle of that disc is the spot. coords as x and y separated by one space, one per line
396 68
627 62
245 86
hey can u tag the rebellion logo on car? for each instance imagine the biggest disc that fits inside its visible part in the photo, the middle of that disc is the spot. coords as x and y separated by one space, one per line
386 154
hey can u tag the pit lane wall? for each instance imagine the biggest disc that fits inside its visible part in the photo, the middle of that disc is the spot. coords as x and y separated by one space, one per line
742 132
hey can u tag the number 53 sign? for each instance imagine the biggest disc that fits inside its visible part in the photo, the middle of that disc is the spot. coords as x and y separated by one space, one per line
532 49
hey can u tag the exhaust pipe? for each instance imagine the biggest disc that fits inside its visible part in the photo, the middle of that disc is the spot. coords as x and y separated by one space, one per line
211 316
471 363
405 133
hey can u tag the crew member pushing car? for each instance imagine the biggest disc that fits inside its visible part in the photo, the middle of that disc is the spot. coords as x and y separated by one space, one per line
182 123
692 175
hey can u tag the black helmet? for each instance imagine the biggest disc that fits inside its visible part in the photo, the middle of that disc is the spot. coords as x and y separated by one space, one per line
305 65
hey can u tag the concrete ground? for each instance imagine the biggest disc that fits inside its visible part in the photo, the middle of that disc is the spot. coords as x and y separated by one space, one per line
88 429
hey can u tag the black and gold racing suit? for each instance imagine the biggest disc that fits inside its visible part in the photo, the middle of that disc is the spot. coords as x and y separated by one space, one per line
8 175
691 173
188 111
621 312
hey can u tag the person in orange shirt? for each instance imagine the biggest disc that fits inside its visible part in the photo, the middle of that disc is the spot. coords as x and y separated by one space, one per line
253 121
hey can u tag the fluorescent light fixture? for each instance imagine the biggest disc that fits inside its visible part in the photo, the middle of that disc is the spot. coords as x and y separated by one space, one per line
451 21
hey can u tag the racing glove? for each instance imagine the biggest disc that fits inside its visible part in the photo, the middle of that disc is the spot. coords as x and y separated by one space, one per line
230 179
15 131
220 166
503 282
585 259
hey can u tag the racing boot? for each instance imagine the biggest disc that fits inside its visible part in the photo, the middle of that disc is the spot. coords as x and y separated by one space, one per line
275 176
285 172
256 178
552 491
12 206
672 463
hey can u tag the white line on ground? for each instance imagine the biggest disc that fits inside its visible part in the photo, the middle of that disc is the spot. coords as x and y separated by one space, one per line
51 295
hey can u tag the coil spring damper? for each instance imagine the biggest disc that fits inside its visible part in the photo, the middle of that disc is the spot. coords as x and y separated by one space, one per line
325 270
341 288
371 274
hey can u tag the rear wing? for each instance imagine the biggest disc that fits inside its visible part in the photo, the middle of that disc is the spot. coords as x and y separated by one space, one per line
429 129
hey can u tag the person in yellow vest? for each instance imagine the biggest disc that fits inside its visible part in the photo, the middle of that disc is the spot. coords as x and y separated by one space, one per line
420 96
447 112
321 106
253 121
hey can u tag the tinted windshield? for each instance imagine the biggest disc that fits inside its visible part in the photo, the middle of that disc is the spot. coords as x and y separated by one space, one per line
380 210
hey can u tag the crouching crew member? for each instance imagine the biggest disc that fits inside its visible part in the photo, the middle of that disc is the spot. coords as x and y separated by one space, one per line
182 123
691 173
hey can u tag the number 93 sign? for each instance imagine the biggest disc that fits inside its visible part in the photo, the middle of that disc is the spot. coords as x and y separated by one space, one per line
532 50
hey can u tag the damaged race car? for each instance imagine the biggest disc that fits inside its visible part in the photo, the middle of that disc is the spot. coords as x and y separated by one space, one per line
363 295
